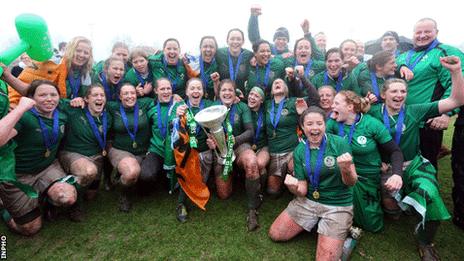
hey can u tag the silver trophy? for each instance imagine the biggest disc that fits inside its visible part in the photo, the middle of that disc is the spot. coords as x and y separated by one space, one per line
212 118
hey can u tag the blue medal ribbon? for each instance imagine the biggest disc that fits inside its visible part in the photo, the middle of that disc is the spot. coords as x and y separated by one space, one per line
266 75
341 131
203 76
101 140
276 118
175 81
313 177
259 125
339 80
399 123
202 105
163 121
307 69
108 92
75 84
233 110
274 50
49 140
375 86
126 122
411 52
139 77
231 116
233 73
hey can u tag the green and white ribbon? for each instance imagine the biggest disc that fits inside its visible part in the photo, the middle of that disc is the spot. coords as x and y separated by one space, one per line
230 151
193 129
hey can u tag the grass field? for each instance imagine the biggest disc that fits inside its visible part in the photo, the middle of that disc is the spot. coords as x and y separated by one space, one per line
151 232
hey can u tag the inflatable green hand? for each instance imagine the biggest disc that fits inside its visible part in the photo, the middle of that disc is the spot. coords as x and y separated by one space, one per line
34 40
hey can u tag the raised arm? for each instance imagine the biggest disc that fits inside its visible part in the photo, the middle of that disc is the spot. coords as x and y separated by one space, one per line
295 186
456 99
316 54
14 82
253 25
8 122
347 169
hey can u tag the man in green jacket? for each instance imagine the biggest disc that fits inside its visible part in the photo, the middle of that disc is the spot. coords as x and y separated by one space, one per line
428 82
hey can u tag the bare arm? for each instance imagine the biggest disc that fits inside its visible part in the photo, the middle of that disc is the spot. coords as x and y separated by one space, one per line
8 122
297 187
347 169
14 82
456 99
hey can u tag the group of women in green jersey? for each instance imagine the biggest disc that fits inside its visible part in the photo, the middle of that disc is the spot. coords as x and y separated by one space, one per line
353 168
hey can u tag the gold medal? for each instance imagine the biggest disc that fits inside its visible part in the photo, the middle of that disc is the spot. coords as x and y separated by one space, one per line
47 153
134 145
273 134
206 95
316 194
254 147
104 153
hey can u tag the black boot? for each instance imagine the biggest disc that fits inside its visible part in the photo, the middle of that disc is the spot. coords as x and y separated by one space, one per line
50 212
252 220
253 187
181 213
124 203
425 235
75 212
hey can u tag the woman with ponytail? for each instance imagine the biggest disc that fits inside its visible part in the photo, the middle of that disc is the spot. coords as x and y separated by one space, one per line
366 136
371 79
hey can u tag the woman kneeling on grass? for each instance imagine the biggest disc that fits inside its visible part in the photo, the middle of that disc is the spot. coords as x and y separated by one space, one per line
324 170
239 132
85 144
192 105
130 139
40 131
420 189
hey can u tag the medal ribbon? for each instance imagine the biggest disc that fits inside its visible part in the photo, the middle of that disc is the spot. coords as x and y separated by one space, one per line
48 140
101 140
75 84
313 177
411 52
204 78
233 73
266 75
176 80
139 77
163 121
126 122
275 121
399 123
307 69
108 92
375 86
341 131
339 80
258 127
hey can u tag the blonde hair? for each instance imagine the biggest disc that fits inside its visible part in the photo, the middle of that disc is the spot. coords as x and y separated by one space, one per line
71 50
360 104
